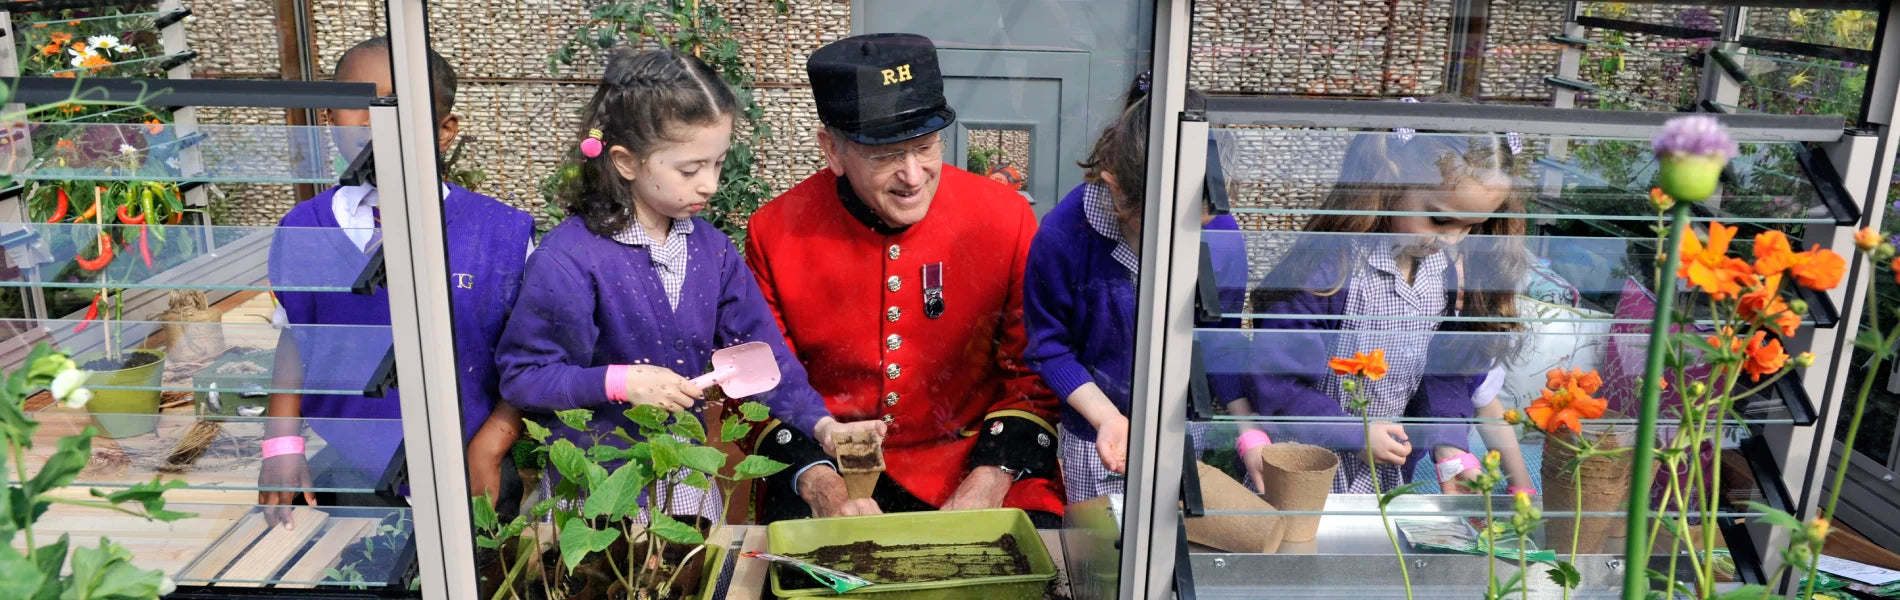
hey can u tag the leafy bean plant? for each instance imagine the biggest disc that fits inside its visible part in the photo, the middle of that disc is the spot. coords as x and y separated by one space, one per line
37 570
698 28
619 523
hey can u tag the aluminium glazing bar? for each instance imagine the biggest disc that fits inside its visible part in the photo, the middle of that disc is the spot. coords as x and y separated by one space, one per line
1529 120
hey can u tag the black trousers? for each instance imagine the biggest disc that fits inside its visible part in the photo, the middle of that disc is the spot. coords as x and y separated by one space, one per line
328 471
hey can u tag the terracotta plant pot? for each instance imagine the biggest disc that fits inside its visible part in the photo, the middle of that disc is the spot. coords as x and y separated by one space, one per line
1605 483
125 413
1298 477
1259 530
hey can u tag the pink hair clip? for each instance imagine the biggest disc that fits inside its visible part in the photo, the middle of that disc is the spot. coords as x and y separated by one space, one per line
590 147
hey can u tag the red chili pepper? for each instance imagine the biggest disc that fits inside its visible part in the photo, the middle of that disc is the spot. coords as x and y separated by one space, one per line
128 219
65 204
175 218
91 313
145 249
104 258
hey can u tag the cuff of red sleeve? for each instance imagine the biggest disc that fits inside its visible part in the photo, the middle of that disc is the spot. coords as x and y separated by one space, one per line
1065 376
1016 439
616 383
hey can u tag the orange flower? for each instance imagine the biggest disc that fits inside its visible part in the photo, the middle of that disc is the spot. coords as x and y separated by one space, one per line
1896 268
1710 268
1866 239
154 126
1371 366
1765 306
1772 253
79 47
1558 379
60 37
49 50
1818 269
1763 359
74 22
1564 408
1659 199
64 145
95 62
1726 339
65 75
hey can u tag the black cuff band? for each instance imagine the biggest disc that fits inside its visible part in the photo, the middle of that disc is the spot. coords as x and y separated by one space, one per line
1017 443
786 444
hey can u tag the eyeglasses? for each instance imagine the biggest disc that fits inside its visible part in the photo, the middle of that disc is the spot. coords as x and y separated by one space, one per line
927 152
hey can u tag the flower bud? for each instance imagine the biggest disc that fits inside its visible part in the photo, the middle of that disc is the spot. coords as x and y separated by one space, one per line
1521 501
1513 417
1660 200
1491 460
1817 530
1866 240
1697 389
1350 385
1804 360
1883 251
1798 306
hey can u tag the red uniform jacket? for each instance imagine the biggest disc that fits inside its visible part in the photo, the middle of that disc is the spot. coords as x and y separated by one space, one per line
954 389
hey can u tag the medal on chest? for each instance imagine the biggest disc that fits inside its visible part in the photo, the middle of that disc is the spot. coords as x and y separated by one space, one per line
933 290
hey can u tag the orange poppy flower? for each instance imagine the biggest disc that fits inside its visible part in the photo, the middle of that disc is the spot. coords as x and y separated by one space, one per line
1818 269
1765 306
1558 379
1709 267
1558 409
1726 339
154 126
1896 268
1763 359
60 37
79 46
64 145
1371 366
1772 253
49 50
95 62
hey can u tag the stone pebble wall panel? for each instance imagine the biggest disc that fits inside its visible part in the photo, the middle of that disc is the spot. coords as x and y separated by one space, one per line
517 135
1335 47
1518 50
792 154
234 38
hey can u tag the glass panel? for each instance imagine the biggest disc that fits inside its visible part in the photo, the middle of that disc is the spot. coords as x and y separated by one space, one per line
1279 173
1557 279
1794 85
1284 371
234 545
314 259
210 153
1000 154
130 67
1843 28
46 44
229 361
214 452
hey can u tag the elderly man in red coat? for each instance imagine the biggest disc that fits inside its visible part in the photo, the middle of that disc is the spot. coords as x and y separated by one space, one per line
898 281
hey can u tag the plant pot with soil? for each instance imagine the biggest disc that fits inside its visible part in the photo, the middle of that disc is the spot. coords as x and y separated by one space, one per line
125 412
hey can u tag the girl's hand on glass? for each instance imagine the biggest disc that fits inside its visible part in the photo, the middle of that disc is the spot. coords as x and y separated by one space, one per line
651 385
1111 442
282 479
1389 444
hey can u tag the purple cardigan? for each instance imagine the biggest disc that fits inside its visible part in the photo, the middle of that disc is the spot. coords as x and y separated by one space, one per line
588 302
1297 351
1079 308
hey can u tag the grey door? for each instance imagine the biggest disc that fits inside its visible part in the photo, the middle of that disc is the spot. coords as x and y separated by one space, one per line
1032 105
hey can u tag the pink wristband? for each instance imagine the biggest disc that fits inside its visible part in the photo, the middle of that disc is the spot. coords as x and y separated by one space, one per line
1449 468
617 383
1250 439
279 446
1513 490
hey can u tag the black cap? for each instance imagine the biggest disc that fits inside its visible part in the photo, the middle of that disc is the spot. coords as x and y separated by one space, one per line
880 89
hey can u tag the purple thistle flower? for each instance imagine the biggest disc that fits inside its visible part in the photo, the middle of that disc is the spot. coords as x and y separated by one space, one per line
1694 135
1895 240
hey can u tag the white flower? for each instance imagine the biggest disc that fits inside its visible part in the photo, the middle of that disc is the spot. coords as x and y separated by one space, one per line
172 162
78 399
104 42
79 55
127 149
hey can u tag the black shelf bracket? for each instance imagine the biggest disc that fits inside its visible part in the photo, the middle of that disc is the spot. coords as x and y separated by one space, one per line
1200 394
1183 569
1730 65
1214 193
375 275
178 59
362 169
1741 547
1761 465
395 474
383 378
171 18
1795 396
1191 505
1206 290
1821 309
1828 186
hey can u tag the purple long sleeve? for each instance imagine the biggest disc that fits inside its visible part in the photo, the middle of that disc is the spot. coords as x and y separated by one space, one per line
546 353
745 317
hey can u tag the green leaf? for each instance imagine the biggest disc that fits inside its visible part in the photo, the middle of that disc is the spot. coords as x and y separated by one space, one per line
536 431
697 480
1775 517
648 416
576 419
19 577
15 425
151 496
703 459
1753 591
542 507
666 454
483 511
569 460
672 530
614 496
1393 494
733 429
754 467
689 428
755 412
1565 574
578 540
67 461
51 558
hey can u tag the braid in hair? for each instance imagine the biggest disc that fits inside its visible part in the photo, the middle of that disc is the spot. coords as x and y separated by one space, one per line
646 100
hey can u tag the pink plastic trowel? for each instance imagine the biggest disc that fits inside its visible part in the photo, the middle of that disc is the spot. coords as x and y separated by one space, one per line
742 370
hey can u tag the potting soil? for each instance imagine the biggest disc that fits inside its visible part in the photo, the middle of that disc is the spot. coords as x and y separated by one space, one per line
914 563
132 360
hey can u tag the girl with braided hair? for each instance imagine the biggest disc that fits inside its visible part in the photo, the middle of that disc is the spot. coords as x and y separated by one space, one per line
628 298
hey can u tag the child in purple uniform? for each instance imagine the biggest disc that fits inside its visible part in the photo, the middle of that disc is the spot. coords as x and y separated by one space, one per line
628 298
325 242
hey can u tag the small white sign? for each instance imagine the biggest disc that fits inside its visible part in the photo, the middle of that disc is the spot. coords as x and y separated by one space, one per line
1860 572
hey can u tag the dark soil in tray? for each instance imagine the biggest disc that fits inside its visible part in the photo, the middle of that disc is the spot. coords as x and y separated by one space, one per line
131 360
913 563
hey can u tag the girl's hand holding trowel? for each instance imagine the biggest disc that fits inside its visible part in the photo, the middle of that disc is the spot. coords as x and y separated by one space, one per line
648 384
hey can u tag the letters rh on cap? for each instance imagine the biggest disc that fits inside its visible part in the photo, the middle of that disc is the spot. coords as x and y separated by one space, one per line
898 75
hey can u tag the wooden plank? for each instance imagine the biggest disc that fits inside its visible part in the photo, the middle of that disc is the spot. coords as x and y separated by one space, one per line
327 551
234 543
274 550
749 575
